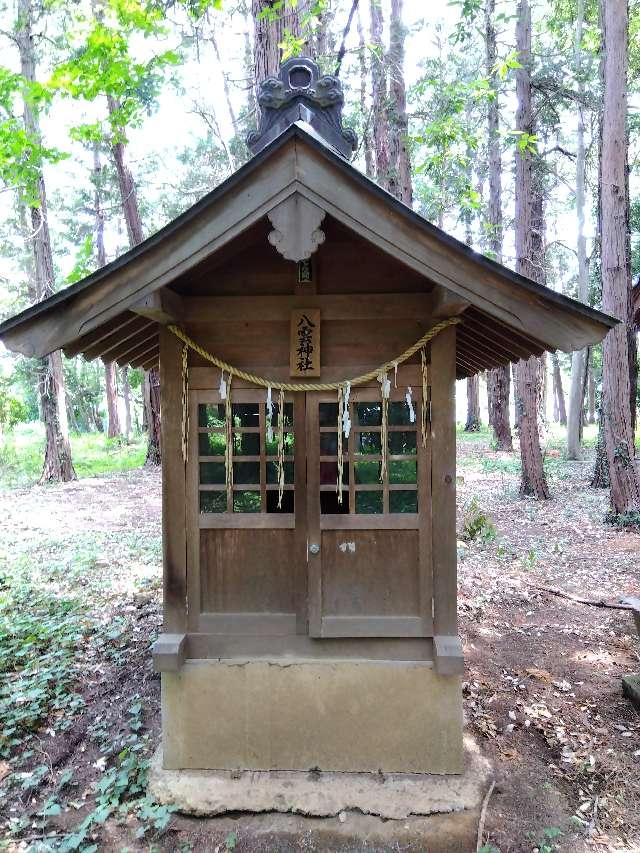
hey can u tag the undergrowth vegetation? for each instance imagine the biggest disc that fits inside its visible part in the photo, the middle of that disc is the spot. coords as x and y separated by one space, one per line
71 646
21 454
41 633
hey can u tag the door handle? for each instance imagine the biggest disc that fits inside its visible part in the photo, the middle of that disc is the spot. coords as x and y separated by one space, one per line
314 548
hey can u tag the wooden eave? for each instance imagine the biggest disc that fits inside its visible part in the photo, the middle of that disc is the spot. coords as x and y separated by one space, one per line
115 312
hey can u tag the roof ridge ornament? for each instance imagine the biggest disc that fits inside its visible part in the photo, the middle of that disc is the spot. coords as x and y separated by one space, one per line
301 93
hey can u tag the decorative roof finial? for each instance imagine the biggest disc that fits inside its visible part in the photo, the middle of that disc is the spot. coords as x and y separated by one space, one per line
299 93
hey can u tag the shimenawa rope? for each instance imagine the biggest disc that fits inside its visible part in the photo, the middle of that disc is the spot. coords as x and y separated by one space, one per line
342 388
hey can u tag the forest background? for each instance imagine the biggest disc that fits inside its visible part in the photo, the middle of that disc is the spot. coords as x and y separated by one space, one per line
117 115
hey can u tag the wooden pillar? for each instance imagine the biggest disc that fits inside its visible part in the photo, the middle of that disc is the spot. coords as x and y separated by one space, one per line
174 498
447 648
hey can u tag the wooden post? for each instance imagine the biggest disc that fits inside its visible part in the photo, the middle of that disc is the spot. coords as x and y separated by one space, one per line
447 648
174 497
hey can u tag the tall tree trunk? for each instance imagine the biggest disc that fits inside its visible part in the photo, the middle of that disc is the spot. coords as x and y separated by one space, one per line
473 404
591 391
126 395
269 33
600 478
579 358
615 258
498 387
379 96
131 212
364 109
323 41
528 373
498 379
110 374
400 164
58 465
559 405
558 391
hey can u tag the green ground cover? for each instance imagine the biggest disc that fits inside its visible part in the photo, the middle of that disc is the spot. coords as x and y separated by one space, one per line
93 454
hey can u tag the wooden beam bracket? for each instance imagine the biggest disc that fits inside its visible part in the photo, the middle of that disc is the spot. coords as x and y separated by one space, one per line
164 306
169 652
447 655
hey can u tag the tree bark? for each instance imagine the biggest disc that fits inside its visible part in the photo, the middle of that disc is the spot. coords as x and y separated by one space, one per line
528 373
364 109
558 391
473 404
498 379
58 465
131 212
400 163
579 358
379 96
126 395
498 387
600 479
615 259
268 34
591 392
110 374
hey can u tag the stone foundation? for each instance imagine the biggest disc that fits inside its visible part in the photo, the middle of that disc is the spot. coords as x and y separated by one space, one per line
289 714
392 796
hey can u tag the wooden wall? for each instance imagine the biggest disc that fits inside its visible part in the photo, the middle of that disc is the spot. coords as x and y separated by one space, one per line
372 308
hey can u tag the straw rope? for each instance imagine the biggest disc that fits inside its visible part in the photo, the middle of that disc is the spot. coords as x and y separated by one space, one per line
312 386
185 403
228 447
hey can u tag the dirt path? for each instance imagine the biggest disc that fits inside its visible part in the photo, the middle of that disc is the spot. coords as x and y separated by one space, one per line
542 688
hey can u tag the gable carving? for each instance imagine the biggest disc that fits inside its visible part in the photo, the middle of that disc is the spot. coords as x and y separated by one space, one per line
296 223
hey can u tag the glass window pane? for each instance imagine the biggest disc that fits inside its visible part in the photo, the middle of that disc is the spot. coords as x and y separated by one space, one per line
399 413
369 442
402 442
329 503
246 472
212 472
245 414
403 471
329 444
246 444
403 501
369 414
368 503
246 501
210 415
367 472
272 472
271 447
288 413
328 414
213 501
288 501
329 473
211 443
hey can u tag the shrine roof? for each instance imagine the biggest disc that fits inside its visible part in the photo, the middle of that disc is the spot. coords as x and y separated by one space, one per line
123 297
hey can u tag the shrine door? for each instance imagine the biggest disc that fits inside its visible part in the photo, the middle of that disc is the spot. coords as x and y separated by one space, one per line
355 567
369 554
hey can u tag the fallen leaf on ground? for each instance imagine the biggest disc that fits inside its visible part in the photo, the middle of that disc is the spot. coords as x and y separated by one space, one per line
541 674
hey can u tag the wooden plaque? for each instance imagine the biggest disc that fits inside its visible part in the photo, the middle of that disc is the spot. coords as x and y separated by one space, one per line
304 343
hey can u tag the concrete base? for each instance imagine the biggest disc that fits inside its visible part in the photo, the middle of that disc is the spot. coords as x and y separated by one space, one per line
390 796
294 714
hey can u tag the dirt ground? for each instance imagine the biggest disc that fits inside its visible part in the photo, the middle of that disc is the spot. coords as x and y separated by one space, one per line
542 686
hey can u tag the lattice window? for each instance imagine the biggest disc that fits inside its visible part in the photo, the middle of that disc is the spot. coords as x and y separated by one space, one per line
255 458
365 493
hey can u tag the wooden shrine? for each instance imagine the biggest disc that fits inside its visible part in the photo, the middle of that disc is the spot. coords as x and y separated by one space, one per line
309 330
